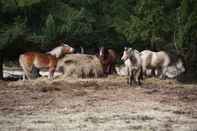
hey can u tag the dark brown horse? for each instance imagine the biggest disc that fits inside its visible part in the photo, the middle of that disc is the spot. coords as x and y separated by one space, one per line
107 58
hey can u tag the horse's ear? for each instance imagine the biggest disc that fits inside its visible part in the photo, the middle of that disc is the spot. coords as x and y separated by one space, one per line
61 44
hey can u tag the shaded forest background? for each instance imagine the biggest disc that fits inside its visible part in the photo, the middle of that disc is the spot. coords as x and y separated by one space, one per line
169 25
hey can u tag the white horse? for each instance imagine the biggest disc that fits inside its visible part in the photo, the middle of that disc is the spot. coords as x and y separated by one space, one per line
133 63
155 61
175 69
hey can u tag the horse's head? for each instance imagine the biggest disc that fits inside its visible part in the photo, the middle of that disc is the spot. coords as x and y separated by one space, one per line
103 52
67 49
180 66
128 52
61 50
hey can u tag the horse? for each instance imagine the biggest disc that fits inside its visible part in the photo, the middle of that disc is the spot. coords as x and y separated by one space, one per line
32 61
107 58
82 51
133 63
174 70
155 61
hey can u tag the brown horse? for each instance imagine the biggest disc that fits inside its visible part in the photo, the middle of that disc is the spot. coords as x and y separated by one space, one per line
108 58
30 60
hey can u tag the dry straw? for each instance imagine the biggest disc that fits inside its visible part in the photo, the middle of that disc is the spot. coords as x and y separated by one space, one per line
80 66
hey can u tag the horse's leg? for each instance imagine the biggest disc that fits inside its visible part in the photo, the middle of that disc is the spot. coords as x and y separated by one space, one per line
109 69
113 69
105 69
27 72
161 76
138 76
35 72
26 68
51 73
153 72
24 76
135 75
141 74
131 77
144 71
164 69
128 78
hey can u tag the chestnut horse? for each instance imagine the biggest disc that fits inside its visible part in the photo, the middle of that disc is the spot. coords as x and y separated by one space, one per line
30 60
107 58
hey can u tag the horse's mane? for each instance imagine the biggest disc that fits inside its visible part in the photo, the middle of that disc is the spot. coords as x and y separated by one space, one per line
105 52
57 52
133 57
136 51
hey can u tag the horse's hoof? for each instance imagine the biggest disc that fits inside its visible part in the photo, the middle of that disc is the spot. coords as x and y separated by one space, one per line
130 85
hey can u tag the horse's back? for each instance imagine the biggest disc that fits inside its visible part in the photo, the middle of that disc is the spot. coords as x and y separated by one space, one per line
163 57
27 57
155 59
38 59
146 57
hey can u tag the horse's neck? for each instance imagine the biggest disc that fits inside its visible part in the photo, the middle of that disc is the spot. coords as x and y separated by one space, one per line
57 52
136 52
136 59
128 62
133 60
106 54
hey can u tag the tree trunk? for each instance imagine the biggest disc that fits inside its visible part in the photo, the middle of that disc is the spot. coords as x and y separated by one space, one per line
1 64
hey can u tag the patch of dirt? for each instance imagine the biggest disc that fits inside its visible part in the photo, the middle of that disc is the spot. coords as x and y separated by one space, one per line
97 104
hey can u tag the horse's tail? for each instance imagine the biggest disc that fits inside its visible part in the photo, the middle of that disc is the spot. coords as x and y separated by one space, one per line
24 66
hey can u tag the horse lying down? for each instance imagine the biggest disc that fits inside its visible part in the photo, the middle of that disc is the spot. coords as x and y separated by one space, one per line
173 71
133 65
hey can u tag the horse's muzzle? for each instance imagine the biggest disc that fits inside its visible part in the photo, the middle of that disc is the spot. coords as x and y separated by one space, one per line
72 50
123 58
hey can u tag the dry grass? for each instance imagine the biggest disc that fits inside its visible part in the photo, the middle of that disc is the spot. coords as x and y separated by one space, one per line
80 66
97 105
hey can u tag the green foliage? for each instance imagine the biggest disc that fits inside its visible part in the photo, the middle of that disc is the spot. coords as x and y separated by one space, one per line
23 3
155 24
50 29
9 33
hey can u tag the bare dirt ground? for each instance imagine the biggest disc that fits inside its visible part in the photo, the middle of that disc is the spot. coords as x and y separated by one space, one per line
106 104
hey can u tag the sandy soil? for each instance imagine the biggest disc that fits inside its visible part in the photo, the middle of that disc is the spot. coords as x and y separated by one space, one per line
106 104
